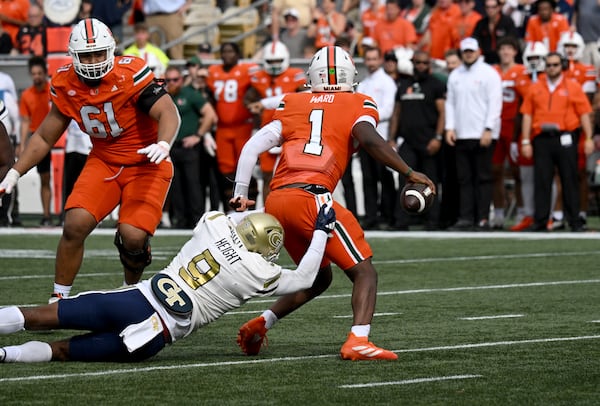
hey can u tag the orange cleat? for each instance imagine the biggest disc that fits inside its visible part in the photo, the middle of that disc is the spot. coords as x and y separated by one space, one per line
359 348
251 335
525 223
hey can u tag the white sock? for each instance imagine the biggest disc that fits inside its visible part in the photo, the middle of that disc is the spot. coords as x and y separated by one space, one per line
499 215
64 290
11 320
361 330
583 215
270 318
557 215
32 351
527 189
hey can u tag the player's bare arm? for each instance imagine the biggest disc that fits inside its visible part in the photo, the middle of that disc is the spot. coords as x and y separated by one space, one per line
372 142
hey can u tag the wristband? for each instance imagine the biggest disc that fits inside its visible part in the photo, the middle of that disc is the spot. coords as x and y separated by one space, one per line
525 142
439 137
408 172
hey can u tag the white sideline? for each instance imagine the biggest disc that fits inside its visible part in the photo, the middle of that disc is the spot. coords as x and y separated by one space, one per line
284 359
409 381
500 316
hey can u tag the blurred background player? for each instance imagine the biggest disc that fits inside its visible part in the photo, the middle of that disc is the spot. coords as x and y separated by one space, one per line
269 84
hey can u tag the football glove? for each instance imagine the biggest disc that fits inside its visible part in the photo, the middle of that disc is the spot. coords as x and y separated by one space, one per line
210 144
325 219
10 180
156 152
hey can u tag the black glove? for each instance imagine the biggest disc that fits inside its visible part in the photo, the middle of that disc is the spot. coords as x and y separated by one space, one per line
325 219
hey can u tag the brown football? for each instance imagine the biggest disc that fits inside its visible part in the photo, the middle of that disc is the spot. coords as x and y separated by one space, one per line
416 198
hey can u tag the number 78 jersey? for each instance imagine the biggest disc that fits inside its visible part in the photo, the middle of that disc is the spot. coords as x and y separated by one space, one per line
317 140
109 113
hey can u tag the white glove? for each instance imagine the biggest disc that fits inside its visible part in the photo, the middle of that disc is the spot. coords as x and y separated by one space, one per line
210 145
156 152
275 150
514 151
9 182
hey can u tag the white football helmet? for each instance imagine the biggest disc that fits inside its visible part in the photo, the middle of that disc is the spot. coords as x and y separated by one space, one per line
331 69
92 35
571 38
534 56
261 233
276 58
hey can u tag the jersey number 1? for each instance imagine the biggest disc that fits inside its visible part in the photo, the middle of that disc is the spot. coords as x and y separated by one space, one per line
314 147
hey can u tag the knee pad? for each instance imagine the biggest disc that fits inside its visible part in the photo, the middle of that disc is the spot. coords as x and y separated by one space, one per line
134 261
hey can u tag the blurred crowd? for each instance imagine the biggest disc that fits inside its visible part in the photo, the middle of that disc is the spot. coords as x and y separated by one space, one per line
452 80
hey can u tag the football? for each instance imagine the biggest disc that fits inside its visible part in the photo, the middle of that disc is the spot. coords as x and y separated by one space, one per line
416 198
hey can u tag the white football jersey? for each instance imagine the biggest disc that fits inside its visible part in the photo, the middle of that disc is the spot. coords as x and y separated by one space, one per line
217 273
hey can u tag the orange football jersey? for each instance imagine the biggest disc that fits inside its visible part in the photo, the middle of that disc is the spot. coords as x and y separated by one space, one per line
267 86
514 85
228 89
109 112
317 136
584 74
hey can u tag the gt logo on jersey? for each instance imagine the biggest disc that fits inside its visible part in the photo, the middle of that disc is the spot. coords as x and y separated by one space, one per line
171 295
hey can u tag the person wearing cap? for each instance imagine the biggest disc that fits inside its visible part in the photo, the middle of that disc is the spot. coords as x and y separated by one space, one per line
473 107
155 58
293 35
303 7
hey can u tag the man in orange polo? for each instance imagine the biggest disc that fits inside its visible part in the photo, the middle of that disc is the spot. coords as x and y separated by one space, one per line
555 114
547 25
394 30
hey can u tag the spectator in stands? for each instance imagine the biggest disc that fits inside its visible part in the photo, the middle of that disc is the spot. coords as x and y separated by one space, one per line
169 17
438 37
156 59
327 24
465 22
305 13
205 51
371 16
77 148
111 13
6 45
378 183
550 132
13 15
491 29
31 38
418 120
394 31
34 106
228 83
188 201
586 21
293 36
546 25
473 107
418 14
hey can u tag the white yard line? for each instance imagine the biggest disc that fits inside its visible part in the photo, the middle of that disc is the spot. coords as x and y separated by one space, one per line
349 316
409 381
283 359
500 316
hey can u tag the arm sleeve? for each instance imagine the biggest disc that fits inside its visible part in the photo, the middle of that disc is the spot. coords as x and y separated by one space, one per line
304 276
266 138
449 108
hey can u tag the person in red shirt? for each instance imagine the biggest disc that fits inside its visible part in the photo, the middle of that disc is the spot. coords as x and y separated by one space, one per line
515 81
465 22
371 16
269 85
33 108
228 84
13 15
394 31
555 113
546 26
327 24
438 37
131 121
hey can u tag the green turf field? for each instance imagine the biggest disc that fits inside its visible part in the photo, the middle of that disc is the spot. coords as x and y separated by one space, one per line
476 319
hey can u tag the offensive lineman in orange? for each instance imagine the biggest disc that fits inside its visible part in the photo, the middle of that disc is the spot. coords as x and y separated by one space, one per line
318 132
268 87
228 84
131 121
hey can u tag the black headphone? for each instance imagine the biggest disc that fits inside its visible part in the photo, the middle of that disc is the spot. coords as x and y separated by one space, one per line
564 62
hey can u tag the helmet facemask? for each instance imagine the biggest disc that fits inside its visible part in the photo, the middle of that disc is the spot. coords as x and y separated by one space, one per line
92 37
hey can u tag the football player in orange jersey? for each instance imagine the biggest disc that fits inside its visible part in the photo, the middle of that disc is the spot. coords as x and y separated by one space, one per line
268 87
514 83
318 132
228 84
131 121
